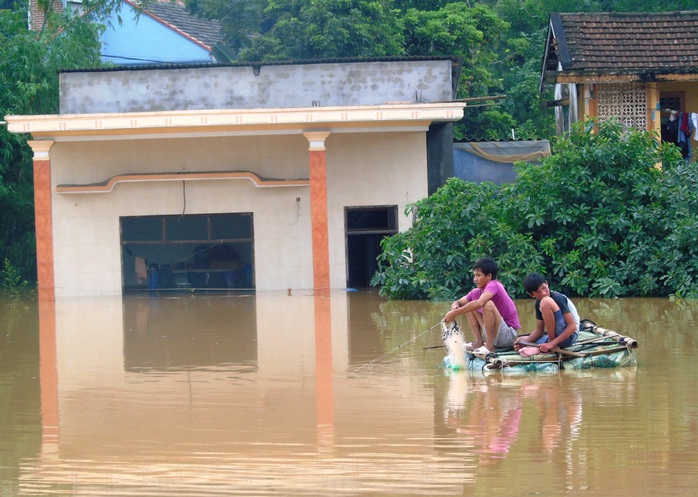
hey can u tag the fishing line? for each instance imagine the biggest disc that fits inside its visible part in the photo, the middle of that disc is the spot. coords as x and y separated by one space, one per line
397 348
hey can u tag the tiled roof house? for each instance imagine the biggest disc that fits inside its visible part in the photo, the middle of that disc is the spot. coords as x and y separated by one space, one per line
161 33
205 32
631 66
164 33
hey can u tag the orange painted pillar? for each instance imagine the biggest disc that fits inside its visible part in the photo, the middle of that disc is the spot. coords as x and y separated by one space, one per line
43 218
318 211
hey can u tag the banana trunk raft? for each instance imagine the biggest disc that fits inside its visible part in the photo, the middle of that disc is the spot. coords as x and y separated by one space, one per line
596 347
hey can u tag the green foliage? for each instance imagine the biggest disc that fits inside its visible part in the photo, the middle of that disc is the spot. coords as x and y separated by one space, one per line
473 33
459 223
524 103
12 282
598 218
241 21
29 65
327 28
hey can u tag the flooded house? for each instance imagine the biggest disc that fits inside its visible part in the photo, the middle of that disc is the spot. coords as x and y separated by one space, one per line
266 176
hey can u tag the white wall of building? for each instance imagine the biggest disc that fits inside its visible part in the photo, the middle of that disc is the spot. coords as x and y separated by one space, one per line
363 169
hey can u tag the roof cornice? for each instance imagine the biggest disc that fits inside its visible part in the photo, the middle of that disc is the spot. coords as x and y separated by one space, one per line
231 122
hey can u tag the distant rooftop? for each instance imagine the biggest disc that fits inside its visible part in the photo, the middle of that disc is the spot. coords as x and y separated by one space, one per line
206 32
609 43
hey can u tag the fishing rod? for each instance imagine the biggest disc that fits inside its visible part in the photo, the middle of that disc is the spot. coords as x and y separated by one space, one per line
393 350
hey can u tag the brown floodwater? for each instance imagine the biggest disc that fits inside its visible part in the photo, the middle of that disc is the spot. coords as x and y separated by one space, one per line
276 394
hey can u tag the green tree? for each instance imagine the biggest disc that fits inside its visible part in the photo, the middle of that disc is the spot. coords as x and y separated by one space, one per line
474 33
320 29
241 20
598 217
29 65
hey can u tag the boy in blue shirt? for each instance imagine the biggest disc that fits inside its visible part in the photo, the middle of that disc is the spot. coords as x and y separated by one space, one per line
557 320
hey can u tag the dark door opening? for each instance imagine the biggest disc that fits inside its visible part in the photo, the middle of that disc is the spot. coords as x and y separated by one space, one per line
672 104
212 252
365 228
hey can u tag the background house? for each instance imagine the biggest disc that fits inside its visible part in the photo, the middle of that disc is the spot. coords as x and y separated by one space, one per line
272 177
162 33
641 68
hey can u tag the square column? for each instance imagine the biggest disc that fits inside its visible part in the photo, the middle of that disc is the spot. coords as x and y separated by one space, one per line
43 218
318 210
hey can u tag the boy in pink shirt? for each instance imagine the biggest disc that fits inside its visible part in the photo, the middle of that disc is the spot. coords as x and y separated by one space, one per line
489 309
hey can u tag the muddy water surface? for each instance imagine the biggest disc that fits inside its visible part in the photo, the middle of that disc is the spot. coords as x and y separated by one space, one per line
341 395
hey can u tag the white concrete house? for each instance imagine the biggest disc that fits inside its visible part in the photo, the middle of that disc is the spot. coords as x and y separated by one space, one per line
267 176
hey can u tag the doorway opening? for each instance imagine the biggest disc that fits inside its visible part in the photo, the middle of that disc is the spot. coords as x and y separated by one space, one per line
209 251
672 105
365 227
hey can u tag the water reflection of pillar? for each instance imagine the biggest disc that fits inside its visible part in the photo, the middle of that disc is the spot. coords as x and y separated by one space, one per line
48 371
323 371
318 210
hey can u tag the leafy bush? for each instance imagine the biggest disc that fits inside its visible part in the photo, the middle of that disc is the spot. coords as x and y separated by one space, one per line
12 282
29 66
598 218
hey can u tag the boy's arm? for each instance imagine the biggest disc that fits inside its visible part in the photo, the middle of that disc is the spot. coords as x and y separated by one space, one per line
569 330
471 306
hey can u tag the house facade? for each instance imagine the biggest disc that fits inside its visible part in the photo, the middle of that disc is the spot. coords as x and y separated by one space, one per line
268 177
640 68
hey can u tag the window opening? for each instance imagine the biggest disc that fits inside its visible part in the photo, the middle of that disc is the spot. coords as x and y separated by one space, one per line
212 252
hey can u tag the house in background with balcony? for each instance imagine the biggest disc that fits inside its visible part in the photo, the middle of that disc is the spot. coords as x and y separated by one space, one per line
162 33
640 68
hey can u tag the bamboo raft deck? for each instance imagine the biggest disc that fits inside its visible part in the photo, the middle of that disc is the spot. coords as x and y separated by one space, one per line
596 347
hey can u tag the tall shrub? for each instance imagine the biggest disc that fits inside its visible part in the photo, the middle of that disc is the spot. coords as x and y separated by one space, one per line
29 65
599 209
598 218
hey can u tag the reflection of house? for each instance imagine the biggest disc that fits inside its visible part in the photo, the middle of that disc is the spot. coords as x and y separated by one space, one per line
162 33
297 169
630 66
245 396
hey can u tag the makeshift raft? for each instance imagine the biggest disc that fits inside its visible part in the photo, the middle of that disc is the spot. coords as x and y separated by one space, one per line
596 347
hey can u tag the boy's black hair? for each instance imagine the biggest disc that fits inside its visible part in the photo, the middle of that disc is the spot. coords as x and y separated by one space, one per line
533 281
487 266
